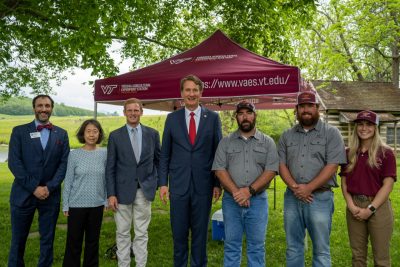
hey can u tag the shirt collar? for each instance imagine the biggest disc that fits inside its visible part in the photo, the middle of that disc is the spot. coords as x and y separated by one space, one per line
39 123
317 127
257 135
196 112
138 127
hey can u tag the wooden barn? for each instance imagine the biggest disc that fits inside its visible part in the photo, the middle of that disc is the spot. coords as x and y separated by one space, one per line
341 101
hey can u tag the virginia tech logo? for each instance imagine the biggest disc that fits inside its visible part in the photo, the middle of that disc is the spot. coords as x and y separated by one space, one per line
366 114
107 89
179 60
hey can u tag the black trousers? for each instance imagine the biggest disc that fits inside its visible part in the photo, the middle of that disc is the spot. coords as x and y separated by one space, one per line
83 222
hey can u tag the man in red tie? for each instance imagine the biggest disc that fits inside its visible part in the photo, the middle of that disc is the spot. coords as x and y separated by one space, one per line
192 128
191 136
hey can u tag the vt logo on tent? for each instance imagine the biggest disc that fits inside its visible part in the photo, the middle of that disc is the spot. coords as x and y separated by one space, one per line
107 89
180 60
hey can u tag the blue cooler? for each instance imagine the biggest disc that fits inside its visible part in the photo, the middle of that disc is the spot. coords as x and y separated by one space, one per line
217 226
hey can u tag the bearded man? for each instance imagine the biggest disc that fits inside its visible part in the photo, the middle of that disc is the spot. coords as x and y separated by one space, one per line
37 157
309 155
245 162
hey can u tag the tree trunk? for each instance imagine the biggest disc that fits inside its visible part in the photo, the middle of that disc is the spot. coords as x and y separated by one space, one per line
395 52
395 62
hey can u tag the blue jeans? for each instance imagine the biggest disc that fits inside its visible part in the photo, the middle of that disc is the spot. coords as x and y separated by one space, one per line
316 217
253 222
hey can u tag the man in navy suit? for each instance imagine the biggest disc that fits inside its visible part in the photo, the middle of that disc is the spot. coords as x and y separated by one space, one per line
37 158
190 139
131 175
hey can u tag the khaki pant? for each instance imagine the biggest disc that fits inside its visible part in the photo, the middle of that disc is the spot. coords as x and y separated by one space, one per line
140 214
379 227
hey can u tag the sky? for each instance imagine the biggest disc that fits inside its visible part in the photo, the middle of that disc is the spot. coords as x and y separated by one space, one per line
73 92
76 92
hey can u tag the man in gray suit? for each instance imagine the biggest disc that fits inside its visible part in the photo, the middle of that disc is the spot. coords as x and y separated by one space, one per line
131 177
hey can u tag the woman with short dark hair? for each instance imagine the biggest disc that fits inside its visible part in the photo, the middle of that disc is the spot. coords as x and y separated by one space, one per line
84 196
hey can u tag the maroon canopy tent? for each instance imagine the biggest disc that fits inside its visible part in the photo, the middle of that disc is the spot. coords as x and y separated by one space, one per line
229 72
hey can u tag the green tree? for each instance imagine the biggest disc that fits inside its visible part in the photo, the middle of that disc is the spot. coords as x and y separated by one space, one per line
352 40
39 39
270 122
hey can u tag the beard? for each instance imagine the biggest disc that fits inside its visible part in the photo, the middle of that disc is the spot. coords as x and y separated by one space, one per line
308 121
40 118
247 126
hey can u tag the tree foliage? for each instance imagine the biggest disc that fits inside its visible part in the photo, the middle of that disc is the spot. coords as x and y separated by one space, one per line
270 122
352 40
39 39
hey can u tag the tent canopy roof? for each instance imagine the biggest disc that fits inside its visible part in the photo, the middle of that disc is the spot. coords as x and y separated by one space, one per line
229 73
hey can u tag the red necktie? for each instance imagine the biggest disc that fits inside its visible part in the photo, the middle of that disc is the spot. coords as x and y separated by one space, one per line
192 128
40 127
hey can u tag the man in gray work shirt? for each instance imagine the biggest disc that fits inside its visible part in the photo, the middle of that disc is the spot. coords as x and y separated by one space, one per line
309 154
245 162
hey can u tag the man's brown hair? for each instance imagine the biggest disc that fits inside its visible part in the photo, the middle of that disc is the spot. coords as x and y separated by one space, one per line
194 79
133 100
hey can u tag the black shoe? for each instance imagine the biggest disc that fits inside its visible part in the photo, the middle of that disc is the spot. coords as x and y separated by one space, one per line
111 253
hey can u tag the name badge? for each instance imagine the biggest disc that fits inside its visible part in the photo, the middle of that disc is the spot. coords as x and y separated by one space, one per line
35 135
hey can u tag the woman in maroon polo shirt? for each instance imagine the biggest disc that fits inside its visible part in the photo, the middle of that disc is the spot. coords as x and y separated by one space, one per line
367 181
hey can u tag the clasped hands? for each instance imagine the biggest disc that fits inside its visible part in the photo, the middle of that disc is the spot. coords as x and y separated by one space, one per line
242 197
302 192
360 214
41 192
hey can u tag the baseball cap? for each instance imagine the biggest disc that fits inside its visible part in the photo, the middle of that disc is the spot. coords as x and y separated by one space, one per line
245 104
368 115
308 97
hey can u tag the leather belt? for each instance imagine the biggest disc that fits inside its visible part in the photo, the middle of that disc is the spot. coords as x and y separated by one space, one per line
258 193
322 189
363 197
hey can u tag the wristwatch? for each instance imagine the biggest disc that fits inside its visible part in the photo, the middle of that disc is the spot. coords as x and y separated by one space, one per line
372 208
252 191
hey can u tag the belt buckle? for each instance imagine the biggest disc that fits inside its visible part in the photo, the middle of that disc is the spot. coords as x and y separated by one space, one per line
362 197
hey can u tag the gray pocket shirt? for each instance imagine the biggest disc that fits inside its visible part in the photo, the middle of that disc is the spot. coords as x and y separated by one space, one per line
246 160
306 153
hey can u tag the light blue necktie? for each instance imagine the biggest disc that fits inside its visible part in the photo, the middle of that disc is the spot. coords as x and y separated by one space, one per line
135 144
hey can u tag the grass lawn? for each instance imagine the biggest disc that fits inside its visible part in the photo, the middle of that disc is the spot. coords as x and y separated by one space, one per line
160 241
